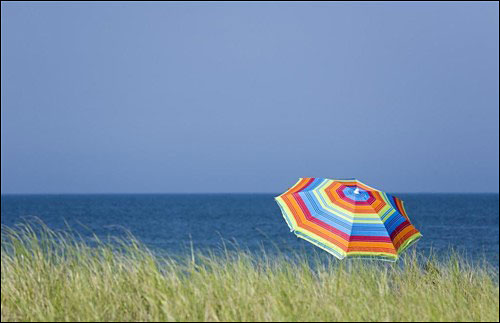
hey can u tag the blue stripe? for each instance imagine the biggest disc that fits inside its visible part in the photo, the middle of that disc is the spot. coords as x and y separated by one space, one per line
395 221
314 184
320 214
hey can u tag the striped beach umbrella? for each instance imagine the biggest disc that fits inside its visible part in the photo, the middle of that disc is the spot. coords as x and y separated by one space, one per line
348 218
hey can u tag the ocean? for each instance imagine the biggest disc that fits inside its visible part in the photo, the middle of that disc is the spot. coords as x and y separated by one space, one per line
172 223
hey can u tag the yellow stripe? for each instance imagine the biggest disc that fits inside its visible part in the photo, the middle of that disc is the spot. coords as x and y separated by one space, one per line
371 254
411 240
323 241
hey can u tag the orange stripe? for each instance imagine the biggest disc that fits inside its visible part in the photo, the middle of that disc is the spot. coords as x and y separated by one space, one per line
403 209
303 183
353 208
371 244
405 237
402 234
381 201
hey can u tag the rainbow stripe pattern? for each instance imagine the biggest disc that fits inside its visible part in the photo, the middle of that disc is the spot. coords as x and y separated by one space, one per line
348 218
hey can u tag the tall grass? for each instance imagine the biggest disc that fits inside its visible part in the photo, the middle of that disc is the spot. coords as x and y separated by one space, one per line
49 276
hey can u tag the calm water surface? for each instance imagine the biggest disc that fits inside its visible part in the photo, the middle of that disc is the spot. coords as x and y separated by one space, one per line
169 222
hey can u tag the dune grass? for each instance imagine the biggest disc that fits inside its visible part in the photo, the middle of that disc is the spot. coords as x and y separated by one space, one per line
49 276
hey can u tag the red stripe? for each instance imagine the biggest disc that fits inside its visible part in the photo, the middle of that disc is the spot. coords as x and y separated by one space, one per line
406 237
372 249
370 239
399 229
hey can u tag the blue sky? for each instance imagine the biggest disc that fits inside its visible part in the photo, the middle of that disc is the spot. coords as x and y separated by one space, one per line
248 97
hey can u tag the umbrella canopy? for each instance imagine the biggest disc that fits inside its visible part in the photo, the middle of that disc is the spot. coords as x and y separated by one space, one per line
348 218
